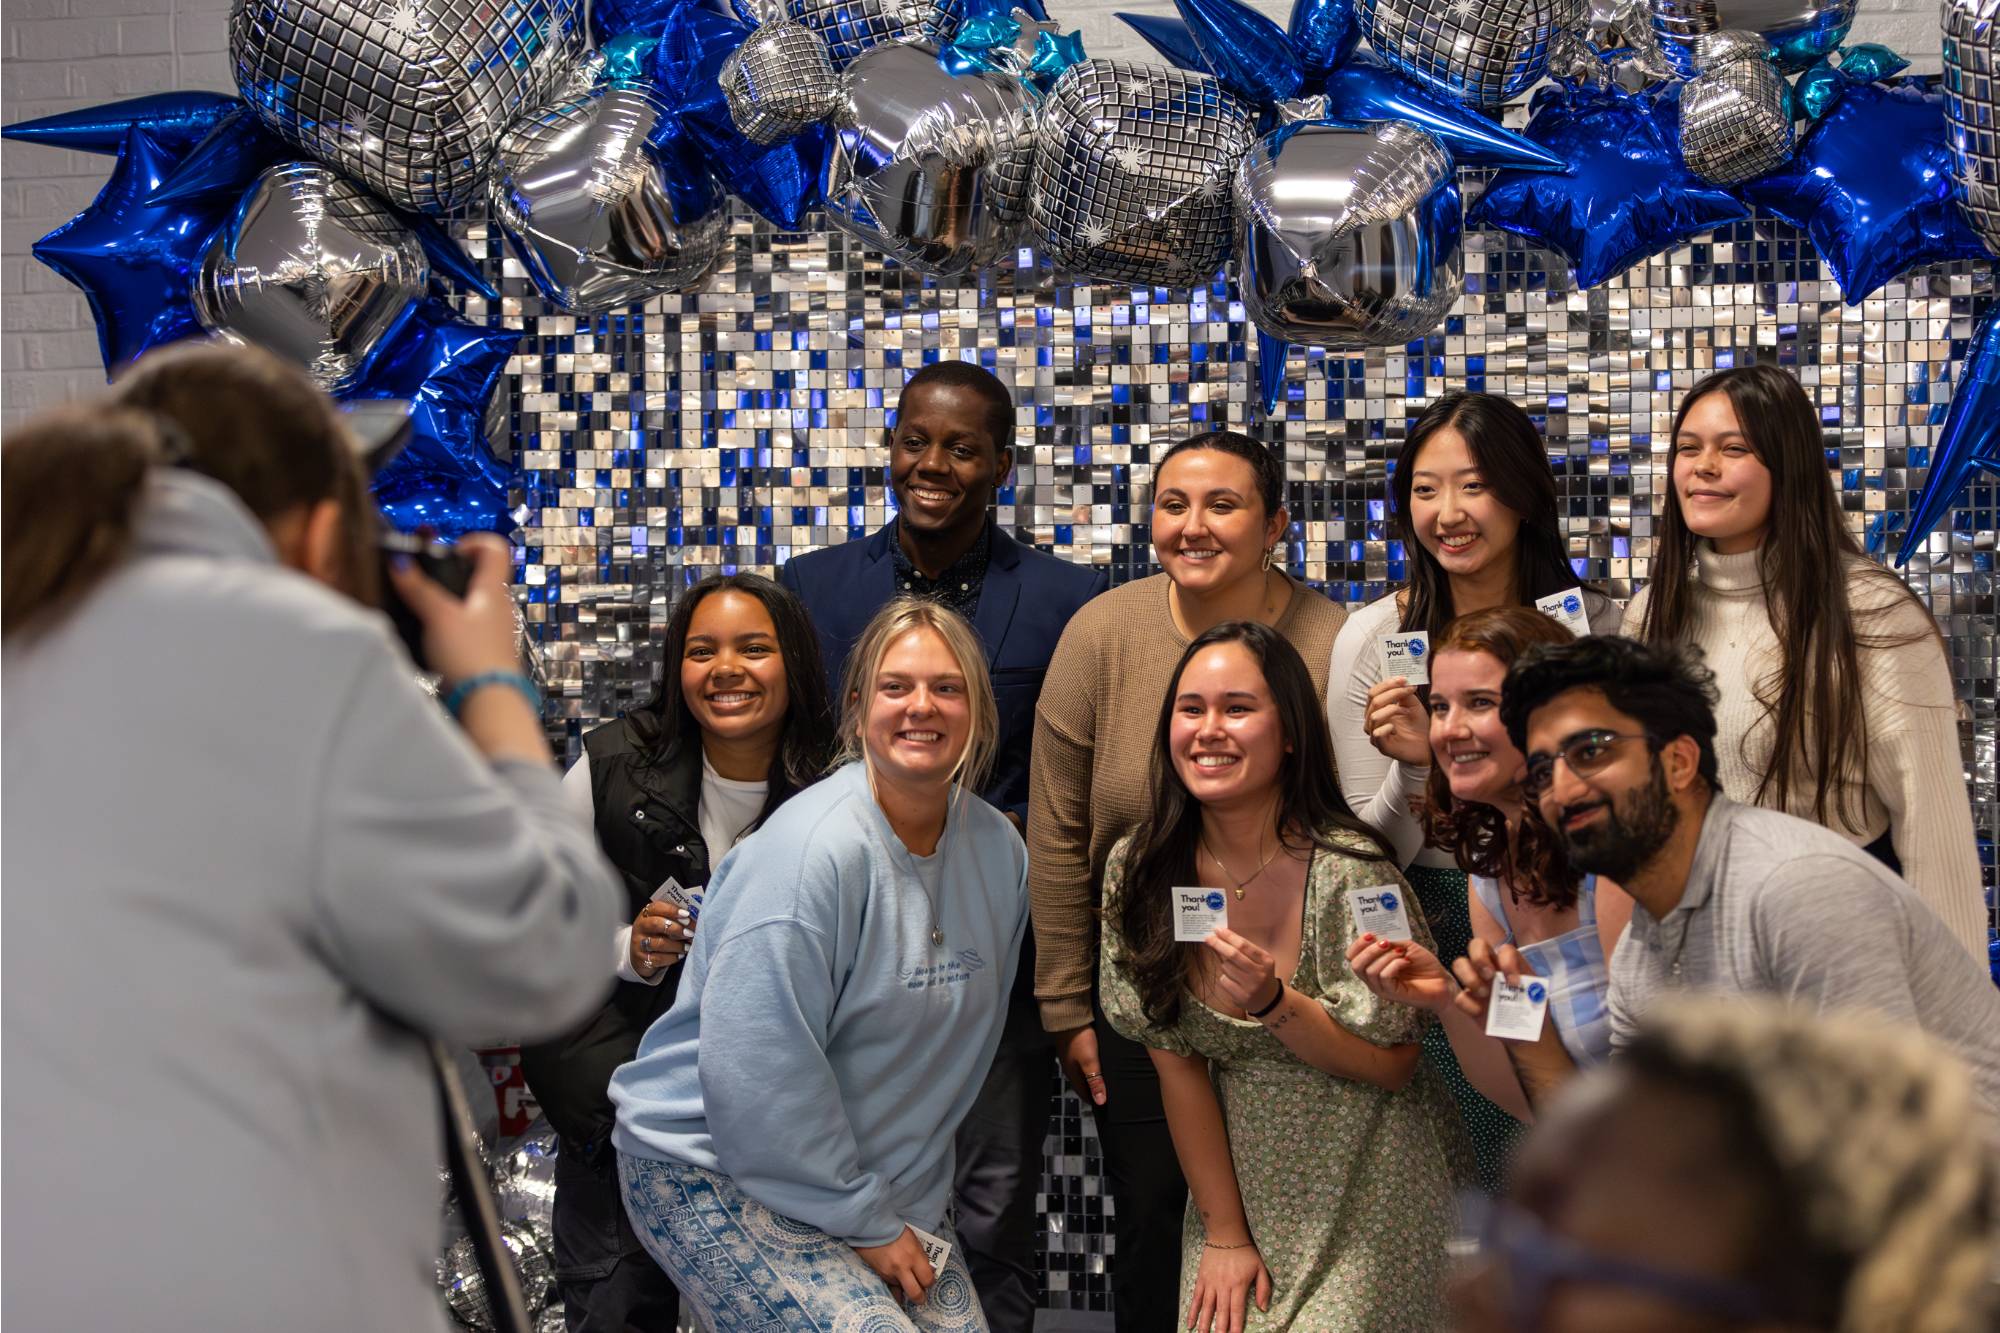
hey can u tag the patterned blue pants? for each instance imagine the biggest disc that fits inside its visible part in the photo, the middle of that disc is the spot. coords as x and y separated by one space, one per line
742 1268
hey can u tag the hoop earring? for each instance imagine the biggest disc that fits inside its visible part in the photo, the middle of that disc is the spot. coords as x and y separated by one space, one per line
1270 558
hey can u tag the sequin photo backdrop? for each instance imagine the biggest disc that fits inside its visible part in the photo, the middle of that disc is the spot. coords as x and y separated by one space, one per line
740 424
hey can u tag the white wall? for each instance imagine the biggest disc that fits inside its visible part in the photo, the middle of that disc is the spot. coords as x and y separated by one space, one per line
62 54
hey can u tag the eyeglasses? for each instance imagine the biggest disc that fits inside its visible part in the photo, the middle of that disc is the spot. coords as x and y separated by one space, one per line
1586 753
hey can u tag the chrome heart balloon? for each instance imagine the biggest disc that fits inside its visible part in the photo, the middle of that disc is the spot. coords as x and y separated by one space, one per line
779 81
313 267
1481 51
1800 31
1132 171
1972 110
1736 115
604 204
1348 238
931 167
409 97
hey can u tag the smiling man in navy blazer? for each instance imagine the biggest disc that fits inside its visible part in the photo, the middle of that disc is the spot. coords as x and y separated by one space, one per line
950 449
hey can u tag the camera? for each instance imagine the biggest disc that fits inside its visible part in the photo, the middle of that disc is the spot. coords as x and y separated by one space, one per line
439 562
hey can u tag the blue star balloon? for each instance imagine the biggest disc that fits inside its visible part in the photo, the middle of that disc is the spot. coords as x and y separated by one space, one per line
617 18
988 24
1054 53
177 122
1872 186
1365 89
132 256
1170 37
1816 90
227 160
1627 197
1323 34
1970 440
445 478
1247 53
1271 354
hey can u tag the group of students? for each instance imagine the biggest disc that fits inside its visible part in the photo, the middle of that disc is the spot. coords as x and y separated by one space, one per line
927 809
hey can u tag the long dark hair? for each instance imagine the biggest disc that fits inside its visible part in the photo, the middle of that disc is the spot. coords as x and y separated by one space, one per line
664 724
1311 813
1807 560
1531 863
1514 464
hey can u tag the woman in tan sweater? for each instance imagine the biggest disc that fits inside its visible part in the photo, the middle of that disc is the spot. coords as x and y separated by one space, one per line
1218 519
1837 703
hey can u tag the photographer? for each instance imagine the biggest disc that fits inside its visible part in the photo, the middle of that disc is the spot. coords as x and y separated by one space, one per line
244 855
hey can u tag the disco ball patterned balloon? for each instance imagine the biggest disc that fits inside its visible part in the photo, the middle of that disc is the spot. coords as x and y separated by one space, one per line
779 81
1972 110
1349 238
525 1182
1800 31
1132 171
850 27
1481 51
465 1286
410 97
602 216
312 267
931 167
1736 115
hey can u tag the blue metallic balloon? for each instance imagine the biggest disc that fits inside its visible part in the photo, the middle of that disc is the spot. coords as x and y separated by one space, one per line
1872 186
1364 89
619 18
1970 440
1627 197
1323 34
177 122
1815 91
988 24
1172 38
1054 53
1271 354
446 368
231 156
780 180
1247 53
447 260
133 258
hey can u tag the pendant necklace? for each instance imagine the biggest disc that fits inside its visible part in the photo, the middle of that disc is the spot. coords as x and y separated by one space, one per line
1241 885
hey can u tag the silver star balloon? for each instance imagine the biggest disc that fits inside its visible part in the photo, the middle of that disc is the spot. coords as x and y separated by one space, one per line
1736 115
1349 238
1481 51
1132 169
1800 31
779 81
600 215
930 167
313 267
1972 110
409 97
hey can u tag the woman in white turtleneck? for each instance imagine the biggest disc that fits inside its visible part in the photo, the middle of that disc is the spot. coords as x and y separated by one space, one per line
1836 700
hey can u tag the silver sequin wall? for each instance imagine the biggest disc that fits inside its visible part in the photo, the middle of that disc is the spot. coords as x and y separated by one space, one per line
736 426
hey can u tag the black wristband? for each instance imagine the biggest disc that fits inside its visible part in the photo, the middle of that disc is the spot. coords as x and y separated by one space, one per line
1276 1000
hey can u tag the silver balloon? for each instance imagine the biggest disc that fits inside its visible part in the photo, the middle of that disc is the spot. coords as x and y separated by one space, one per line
525 1183
312 267
465 1286
931 167
850 27
409 97
779 81
1736 115
1972 110
1800 31
1481 51
1349 238
600 215
1132 171
1615 46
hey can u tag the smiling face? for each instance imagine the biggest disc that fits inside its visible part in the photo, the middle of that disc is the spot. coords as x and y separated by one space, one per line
1722 487
1454 513
732 674
1467 735
1615 816
1209 525
944 465
1227 742
919 714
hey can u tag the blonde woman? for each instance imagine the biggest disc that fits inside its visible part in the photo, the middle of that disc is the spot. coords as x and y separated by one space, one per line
793 1113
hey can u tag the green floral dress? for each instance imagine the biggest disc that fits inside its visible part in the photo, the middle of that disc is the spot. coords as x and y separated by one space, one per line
1349 1188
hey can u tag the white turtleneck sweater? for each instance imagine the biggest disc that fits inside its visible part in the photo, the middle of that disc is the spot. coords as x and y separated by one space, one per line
1915 788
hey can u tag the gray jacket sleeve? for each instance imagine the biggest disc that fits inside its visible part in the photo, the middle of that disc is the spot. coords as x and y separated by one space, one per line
465 897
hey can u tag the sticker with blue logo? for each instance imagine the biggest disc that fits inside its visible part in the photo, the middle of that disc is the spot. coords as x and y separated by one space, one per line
1515 1013
1567 609
1405 656
1197 912
1380 912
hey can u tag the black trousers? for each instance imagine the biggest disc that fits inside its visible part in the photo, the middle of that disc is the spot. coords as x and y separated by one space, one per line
607 1281
999 1171
1147 1187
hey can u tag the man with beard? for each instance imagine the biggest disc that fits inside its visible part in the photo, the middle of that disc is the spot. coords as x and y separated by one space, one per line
1620 742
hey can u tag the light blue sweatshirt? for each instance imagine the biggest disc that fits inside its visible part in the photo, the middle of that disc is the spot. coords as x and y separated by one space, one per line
823 1049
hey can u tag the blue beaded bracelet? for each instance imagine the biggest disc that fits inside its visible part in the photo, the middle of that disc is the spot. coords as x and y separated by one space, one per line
465 689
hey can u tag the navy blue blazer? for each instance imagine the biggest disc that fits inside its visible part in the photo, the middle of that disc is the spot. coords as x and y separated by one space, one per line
1027 598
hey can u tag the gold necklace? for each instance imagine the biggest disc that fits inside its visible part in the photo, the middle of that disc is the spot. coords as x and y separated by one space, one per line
1242 885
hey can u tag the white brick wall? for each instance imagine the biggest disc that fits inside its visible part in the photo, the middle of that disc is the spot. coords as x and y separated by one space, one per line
62 54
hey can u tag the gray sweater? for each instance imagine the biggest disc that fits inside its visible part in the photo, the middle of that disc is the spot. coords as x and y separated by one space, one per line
235 829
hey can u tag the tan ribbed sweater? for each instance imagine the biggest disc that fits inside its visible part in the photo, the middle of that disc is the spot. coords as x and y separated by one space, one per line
1915 790
1088 778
